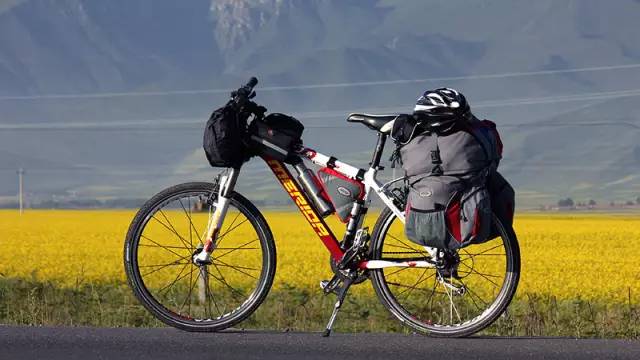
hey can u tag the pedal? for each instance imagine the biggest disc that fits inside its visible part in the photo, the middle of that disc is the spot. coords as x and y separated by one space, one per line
330 286
323 284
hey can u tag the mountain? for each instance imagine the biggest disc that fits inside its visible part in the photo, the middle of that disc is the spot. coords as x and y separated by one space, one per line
136 77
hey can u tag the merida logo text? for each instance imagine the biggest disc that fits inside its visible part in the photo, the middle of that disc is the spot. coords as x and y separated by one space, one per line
298 198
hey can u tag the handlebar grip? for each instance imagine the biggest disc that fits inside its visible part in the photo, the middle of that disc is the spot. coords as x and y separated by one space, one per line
252 83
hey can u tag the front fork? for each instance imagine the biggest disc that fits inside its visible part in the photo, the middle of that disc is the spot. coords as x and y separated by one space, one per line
226 186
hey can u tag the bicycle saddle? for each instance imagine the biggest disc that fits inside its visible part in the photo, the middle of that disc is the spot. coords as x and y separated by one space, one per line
373 122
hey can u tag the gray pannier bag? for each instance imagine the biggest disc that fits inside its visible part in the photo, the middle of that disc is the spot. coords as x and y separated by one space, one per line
502 202
449 203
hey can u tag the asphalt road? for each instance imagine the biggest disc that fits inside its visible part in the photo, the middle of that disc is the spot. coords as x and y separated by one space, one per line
92 343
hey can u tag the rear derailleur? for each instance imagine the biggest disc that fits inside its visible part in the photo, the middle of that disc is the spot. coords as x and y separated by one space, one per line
447 263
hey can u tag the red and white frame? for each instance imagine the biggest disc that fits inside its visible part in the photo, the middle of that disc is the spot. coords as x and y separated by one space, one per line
308 210
371 185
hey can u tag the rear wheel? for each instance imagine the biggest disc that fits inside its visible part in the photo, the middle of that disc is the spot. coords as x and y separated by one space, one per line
166 233
462 296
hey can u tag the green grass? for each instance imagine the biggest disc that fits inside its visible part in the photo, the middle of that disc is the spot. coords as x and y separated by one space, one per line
29 302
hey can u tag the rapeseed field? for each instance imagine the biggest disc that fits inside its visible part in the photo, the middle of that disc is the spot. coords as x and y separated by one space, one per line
568 256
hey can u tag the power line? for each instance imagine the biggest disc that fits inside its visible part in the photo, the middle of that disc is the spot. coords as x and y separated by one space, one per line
319 86
181 123
125 171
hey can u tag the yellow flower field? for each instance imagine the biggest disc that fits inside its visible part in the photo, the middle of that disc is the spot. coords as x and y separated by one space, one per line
590 256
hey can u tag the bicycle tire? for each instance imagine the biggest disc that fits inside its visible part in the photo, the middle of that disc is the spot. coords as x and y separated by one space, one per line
428 327
162 311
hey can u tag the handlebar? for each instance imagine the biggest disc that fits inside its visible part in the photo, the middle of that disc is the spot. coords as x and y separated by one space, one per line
245 92
252 83
241 98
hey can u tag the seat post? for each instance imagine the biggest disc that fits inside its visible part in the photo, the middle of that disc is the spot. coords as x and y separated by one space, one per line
377 154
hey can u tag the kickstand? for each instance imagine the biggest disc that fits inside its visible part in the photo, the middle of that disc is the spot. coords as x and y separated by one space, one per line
342 293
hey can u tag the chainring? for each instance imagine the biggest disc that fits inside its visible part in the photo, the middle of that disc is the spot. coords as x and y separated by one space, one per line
362 275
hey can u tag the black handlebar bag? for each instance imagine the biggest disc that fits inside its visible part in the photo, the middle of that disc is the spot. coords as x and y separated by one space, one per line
223 140
275 136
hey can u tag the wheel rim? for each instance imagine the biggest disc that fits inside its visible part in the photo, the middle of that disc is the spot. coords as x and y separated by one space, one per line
199 295
423 297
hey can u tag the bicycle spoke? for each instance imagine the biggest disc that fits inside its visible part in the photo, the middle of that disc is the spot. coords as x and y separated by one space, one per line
205 280
219 239
223 281
433 292
162 266
165 264
190 223
191 287
401 247
406 246
174 229
241 247
487 250
485 276
481 273
412 251
192 227
236 268
410 287
420 281
467 255
455 308
234 220
168 248
397 271
210 296
452 305
472 256
471 294
162 246
178 278
186 246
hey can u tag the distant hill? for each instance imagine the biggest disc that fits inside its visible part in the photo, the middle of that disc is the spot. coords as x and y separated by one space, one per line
55 53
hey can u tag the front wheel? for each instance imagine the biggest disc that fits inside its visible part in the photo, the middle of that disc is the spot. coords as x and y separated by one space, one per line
467 292
159 248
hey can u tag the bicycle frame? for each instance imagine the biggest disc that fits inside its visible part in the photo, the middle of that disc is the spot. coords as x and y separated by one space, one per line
372 186
299 196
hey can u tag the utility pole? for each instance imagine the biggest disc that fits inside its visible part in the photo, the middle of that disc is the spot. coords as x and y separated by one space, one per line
20 189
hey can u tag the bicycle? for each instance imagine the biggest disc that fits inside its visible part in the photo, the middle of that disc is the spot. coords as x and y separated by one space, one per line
176 243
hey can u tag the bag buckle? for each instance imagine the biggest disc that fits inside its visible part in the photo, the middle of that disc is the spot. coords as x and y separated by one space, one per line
435 157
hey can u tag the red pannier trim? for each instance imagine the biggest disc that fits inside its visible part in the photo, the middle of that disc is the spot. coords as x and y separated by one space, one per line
453 220
476 223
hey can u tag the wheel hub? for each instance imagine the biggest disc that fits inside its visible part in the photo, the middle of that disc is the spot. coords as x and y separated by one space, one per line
201 257
448 263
